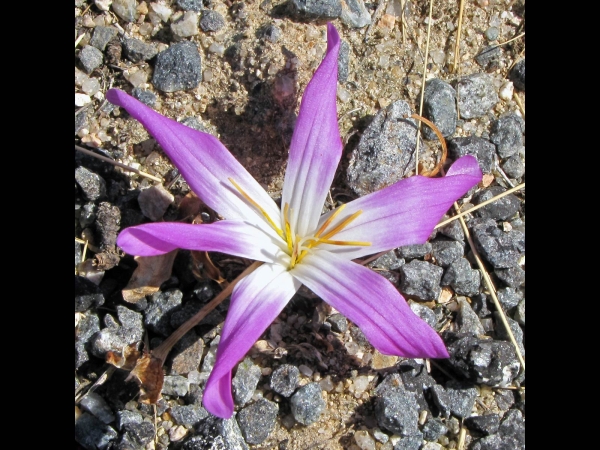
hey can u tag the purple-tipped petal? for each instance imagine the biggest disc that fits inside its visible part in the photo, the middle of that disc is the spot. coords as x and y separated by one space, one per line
316 146
256 301
372 303
404 213
228 236
204 162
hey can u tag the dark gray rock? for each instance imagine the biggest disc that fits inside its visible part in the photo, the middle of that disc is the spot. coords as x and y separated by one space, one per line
316 9
92 434
500 248
421 279
90 58
484 425
102 36
513 167
188 415
517 332
191 5
391 381
107 225
96 405
343 62
84 304
154 201
490 362
456 398
92 185
126 417
176 386
519 314
87 215
161 306
414 376
453 230
507 134
106 340
136 50
513 277
462 278
467 320
424 313
284 379
178 68
87 294
258 420
489 57
495 442
355 14
388 261
414 251
245 381
307 404
397 411
338 323
412 442
138 434
509 297
146 97
513 425
517 75
446 252
385 152
214 433
81 119
481 148
439 106
504 399
211 20
476 95
88 326
433 429
273 33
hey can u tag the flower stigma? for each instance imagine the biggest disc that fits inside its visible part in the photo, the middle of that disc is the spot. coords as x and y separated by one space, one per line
298 247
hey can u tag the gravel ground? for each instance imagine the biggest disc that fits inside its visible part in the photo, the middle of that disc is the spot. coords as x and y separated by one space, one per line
237 69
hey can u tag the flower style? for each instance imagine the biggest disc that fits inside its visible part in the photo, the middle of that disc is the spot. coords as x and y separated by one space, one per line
298 245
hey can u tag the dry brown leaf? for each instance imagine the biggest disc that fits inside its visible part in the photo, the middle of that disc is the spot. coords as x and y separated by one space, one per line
148 373
201 259
150 273
190 206
125 361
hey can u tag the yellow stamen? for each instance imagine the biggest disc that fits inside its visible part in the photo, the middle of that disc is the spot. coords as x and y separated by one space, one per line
342 224
257 206
358 243
288 229
328 221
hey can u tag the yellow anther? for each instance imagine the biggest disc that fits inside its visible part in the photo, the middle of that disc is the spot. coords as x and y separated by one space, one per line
342 224
257 206
329 220
358 243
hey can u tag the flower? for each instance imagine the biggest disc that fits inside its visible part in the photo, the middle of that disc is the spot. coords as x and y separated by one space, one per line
298 245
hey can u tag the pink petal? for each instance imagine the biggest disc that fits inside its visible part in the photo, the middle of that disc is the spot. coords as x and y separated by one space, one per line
227 236
316 146
203 162
256 301
404 213
372 303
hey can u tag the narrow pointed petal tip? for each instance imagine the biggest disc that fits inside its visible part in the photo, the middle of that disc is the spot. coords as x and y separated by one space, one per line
316 146
372 303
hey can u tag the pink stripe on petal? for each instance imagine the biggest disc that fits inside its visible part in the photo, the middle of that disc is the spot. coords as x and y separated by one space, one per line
404 213
228 236
204 163
316 146
256 301
372 303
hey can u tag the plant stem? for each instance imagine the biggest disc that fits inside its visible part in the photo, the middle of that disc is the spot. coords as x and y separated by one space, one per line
162 351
